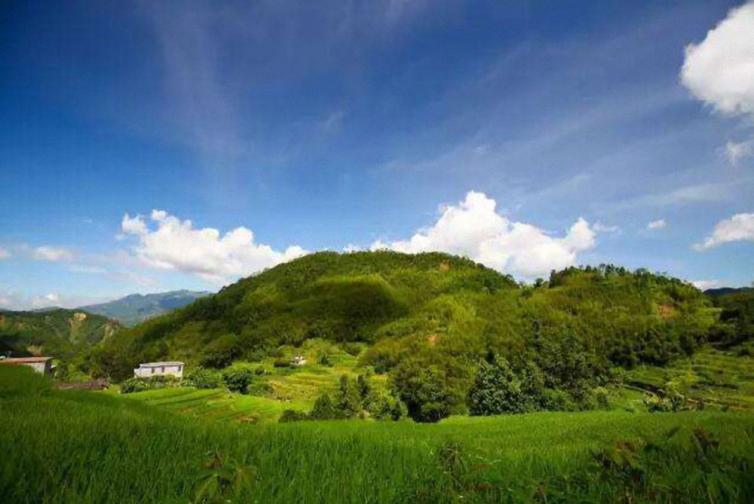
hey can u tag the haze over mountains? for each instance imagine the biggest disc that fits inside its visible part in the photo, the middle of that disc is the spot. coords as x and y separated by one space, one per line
136 308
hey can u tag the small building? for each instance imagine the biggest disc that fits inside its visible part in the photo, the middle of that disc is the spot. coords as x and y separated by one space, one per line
298 360
150 369
42 365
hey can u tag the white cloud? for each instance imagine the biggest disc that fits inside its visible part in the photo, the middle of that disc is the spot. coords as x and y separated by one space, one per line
473 228
657 224
54 254
720 70
599 227
176 245
707 284
4 254
736 151
740 227
51 299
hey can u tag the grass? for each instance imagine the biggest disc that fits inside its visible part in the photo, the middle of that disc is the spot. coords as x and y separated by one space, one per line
64 446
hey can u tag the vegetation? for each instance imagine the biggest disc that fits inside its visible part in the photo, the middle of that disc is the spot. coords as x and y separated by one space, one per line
53 439
65 334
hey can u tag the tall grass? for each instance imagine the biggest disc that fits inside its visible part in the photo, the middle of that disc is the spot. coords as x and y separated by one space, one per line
90 447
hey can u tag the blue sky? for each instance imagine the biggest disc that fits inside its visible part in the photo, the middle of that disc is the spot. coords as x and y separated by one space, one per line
526 135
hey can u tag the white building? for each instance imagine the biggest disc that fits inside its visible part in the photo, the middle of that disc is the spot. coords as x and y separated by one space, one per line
42 365
298 360
150 369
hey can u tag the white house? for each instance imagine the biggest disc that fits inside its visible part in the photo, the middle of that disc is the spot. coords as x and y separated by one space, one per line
150 369
298 360
42 365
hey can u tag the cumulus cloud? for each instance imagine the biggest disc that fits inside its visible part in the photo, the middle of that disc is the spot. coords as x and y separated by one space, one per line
740 227
172 244
475 229
53 254
656 224
720 70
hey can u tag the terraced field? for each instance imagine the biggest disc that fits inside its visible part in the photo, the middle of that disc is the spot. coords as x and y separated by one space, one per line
722 379
217 404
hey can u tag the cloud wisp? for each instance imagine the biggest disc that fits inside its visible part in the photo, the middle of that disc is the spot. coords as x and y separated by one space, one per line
657 224
169 243
473 228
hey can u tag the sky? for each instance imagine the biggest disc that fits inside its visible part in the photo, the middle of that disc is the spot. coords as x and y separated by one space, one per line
152 146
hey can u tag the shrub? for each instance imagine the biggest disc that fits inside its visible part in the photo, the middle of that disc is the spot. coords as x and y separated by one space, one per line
290 415
282 363
352 348
204 379
324 409
237 379
134 385
324 360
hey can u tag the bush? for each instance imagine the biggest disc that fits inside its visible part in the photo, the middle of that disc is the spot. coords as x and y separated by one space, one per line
238 379
204 379
324 409
141 384
282 363
290 415
324 360
351 348
134 385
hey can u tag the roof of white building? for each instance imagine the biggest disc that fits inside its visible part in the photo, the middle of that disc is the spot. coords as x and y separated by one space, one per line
160 364
25 360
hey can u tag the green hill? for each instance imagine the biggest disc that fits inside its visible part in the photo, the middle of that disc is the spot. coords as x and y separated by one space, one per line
136 308
430 321
58 333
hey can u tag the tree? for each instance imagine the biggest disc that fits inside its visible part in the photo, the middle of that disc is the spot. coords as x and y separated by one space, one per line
238 379
496 390
423 389
347 400
324 409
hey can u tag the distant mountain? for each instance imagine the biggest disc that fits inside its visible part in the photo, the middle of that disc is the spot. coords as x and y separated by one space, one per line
55 332
723 291
136 308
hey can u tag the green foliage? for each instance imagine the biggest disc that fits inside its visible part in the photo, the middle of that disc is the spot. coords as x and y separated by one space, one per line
238 379
64 334
324 409
204 379
497 390
290 415
423 389
221 352
141 384
348 398
51 443
736 323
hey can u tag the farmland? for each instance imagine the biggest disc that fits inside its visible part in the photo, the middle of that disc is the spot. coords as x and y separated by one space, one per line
93 447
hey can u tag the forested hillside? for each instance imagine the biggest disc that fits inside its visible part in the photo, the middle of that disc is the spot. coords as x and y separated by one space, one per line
57 333
435 323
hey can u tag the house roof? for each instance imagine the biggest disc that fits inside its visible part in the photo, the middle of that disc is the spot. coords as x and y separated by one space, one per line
24 360
160 364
